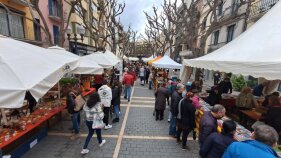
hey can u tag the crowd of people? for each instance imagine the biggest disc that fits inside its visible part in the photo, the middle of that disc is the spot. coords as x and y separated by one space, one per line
184 105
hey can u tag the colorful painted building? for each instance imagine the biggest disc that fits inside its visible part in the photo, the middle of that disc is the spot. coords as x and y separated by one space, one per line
16 21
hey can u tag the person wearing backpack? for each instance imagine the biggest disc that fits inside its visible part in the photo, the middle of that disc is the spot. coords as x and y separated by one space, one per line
94 120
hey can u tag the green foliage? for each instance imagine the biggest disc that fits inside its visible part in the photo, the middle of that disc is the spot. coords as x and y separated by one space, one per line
238 82
68 80
252 83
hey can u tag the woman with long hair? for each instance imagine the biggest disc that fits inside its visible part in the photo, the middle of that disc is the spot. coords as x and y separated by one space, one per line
94 120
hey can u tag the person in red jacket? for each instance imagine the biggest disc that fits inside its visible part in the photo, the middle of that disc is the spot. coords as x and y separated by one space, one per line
128 82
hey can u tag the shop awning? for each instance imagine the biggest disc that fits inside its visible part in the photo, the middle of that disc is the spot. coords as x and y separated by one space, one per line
86 66
257 52
25 67
167 63
102 59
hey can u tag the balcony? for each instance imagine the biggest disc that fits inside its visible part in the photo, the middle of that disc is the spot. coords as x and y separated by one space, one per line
213 47
261 7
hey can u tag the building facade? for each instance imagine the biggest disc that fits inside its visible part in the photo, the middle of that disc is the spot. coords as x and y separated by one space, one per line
16 21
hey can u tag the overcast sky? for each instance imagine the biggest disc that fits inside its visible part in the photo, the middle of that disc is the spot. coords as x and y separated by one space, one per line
133 13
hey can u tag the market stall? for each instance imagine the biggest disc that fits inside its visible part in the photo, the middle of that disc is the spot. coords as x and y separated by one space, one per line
102 59
148 59
154 60
167 63
252 54
21 130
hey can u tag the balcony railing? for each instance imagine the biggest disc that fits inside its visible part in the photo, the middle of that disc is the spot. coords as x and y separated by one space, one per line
260 7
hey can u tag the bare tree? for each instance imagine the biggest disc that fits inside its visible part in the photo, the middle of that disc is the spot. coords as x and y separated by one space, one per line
102 28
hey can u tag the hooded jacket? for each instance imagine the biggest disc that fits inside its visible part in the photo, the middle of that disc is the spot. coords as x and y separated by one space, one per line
105 94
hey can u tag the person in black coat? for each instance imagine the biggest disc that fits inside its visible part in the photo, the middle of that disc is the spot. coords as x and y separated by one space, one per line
214 96
216 143
225 86
116 99
185 118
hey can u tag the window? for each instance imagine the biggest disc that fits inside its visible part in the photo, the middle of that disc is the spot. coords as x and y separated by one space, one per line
220 8
11 25
230 32
54 8
77 9
37 30
95 23
56 34
216 37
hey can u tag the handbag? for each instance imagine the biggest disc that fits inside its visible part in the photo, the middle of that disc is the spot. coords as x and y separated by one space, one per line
80 101
98 120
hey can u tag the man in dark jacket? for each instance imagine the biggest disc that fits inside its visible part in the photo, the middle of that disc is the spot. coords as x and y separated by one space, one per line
185 118
225 86
216 143
162 97
175 99
208 122
116 99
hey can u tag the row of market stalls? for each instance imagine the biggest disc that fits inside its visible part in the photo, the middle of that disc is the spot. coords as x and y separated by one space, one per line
28 68
256 52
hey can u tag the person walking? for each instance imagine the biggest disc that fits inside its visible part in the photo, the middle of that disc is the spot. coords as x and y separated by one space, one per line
105 94
175 99
94 115
150 80
216 143
116 99
75 115
208 122
128 82
185 119
142 75
265 139
147 73
162 97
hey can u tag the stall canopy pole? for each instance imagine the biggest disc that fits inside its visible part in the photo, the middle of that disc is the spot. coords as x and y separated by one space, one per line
4 116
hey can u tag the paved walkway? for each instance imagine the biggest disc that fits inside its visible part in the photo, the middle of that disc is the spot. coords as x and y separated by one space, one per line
137 135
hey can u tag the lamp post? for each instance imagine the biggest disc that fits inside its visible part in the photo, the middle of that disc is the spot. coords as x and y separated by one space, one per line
81 31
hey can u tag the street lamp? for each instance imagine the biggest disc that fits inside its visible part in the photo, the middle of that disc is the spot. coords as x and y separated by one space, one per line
81 31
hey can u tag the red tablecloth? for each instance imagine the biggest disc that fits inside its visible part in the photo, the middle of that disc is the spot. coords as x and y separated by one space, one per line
91 90
29 127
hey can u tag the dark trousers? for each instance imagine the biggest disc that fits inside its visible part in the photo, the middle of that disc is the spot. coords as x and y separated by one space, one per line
106 111
159 114
184 132
91 133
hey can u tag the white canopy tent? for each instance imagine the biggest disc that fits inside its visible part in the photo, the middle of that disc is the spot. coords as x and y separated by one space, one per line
167 63
256 52
25 67
102 59
133 59
148 59
86 66
111 55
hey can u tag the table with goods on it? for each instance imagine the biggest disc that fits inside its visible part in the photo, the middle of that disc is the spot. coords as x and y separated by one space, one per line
24 129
